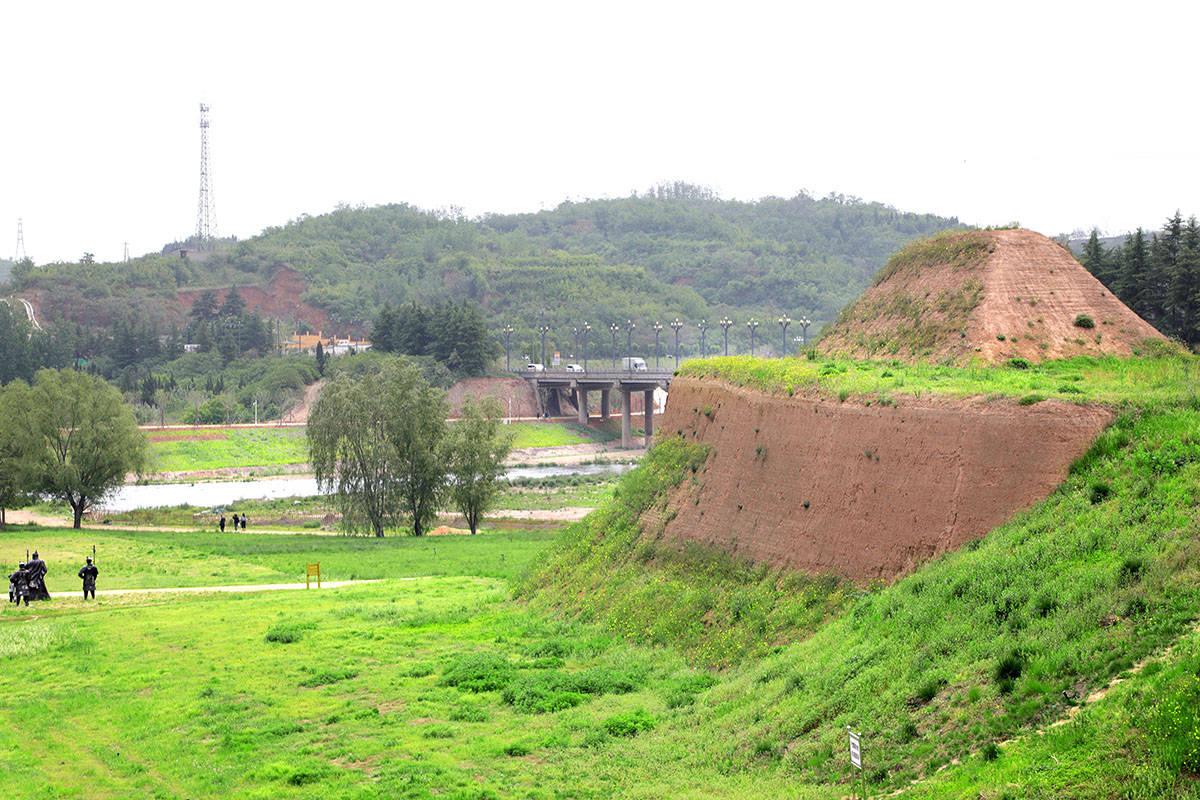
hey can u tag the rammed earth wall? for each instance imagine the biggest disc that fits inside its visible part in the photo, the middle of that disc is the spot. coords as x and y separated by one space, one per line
864 491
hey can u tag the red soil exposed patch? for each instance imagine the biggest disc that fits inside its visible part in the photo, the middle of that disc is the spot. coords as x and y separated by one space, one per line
865 492
1019 298
516 397
281 300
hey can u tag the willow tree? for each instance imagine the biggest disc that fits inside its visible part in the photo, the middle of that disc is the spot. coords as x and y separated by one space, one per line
475 449
80 439
374 443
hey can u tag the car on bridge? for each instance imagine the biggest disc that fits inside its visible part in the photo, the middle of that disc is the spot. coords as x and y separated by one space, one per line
575 368
535 367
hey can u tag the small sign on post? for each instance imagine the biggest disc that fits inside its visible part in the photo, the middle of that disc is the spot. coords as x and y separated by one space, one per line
314 571
855 750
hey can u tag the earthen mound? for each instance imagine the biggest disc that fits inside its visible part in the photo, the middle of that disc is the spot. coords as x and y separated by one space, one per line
985 296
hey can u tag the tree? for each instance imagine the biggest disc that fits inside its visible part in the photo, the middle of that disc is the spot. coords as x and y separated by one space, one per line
475 449
374 443
320 359
14 410
204 308
82 439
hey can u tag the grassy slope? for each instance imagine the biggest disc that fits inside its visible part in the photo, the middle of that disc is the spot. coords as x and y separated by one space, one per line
973 648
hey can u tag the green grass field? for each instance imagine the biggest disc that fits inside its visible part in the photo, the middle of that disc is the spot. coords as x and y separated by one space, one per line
179 450
627 666
187 450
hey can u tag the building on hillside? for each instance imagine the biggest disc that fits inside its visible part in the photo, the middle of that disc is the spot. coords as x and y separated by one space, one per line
332 345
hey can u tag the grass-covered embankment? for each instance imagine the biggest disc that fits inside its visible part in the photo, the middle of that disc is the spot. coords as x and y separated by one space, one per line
971 649
717 609
1167 380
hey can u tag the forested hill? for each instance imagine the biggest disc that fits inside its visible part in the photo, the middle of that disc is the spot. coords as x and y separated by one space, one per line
676 251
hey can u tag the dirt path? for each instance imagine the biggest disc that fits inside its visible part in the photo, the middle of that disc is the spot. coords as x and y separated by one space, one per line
299 412
259 587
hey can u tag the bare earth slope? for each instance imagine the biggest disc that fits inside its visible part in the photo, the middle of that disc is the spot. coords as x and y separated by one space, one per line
986 296
864 492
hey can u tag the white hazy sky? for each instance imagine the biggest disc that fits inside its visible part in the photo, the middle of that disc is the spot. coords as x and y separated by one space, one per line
1058 115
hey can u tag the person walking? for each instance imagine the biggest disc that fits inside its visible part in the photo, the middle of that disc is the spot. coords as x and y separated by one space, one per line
222 523
20 580
243 520
89 572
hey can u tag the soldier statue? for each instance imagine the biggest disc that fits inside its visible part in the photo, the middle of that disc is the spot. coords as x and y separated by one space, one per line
89 572
36 568
19 580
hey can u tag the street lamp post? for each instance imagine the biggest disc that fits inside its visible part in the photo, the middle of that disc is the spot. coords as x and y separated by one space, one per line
629 326
657 326
677 325
614 327
507 330
725 322
804 323
703 335
784 321
752 324
542 330
586 329
575 334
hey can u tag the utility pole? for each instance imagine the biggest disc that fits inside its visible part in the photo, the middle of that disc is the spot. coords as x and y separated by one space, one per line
206 215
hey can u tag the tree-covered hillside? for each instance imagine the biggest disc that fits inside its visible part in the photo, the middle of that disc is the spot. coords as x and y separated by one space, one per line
677 250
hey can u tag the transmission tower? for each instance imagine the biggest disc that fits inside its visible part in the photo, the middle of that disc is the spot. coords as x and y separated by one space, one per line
20 255
206 216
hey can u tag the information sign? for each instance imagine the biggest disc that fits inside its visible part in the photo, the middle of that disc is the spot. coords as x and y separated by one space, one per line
855 751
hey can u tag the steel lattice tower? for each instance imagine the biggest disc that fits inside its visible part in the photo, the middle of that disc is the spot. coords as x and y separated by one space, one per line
206 216
20 255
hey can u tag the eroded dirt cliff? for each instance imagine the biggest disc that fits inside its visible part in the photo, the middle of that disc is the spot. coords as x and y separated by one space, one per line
863 491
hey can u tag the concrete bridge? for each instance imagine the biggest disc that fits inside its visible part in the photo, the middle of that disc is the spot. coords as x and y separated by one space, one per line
580 384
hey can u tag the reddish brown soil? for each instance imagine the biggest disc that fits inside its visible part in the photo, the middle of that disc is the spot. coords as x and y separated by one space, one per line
281 300
1030 290
886 487
516 397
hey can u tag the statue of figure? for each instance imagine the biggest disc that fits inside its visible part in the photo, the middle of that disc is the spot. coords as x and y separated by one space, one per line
20 583
89 572
36 569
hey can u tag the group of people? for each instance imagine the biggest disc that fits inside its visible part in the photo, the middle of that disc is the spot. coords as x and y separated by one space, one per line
235 522
29 581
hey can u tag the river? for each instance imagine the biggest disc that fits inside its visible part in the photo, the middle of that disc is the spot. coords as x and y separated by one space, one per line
216 494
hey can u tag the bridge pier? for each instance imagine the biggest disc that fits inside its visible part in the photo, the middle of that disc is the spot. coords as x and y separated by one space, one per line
581 404
649 410
626 418
605 412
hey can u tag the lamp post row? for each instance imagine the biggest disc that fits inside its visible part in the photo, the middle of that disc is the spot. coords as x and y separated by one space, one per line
580 333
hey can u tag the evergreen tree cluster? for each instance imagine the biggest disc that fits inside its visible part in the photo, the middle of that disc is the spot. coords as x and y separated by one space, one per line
456 334
1156 274
226 326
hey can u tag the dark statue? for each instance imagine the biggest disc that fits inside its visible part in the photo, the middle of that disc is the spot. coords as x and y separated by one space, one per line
89 572
18 585
36 570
